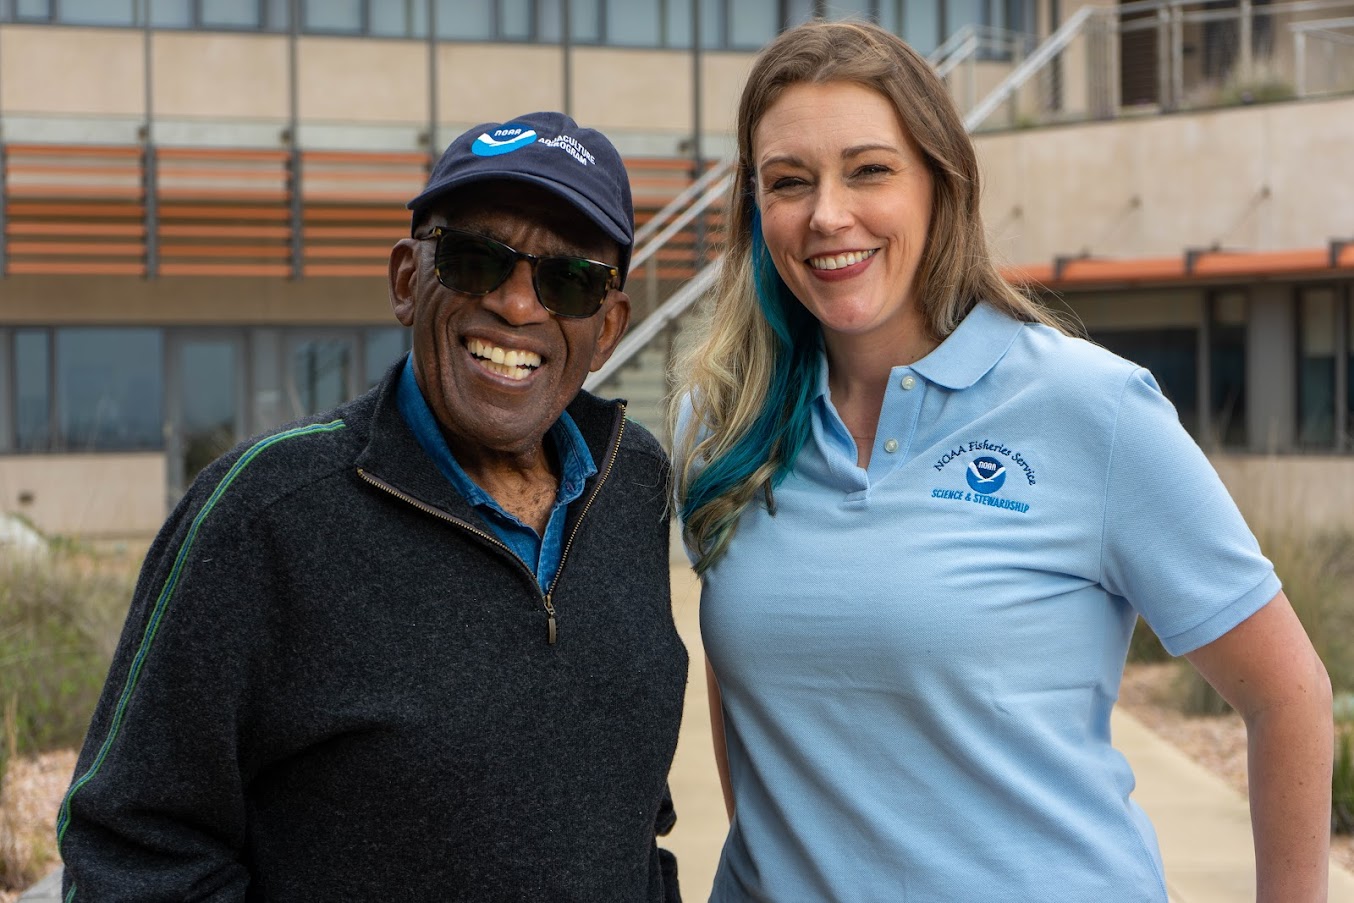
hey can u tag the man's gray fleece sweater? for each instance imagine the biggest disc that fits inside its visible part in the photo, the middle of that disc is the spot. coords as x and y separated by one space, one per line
335 684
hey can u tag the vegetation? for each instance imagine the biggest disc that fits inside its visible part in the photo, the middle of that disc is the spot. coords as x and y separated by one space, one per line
60 615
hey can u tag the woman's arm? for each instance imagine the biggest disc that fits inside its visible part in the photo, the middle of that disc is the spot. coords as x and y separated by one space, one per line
717 732
1266 668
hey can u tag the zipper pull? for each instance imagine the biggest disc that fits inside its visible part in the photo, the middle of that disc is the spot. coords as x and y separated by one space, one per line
551 631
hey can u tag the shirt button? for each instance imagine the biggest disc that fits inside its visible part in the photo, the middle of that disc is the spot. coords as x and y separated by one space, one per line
891 446
909 383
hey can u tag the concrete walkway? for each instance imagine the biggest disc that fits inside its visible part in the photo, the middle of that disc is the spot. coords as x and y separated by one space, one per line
1203 825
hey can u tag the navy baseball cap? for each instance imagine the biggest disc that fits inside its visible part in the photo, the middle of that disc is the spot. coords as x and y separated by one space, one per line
550 150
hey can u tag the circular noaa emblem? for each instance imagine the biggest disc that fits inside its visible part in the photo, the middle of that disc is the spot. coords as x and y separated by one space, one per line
985 475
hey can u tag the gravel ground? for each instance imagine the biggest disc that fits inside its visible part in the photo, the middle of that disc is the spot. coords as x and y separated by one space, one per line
1219 744
35 786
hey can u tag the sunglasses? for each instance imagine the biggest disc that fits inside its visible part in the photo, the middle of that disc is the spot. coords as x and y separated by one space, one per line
476 265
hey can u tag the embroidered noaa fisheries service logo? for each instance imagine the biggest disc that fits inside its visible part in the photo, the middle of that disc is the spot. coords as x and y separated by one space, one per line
503 140
985 475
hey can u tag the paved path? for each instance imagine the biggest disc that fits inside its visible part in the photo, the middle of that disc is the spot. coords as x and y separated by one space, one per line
1203 825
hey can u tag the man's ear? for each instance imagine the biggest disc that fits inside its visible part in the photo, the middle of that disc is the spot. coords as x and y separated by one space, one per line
404 277
615 319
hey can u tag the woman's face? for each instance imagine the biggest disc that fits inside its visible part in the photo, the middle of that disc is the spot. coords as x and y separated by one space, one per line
845 198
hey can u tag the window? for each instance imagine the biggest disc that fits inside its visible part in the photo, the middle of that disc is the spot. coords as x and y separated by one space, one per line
921 26
321 375
1316 367
514 20
466 20
382 348
32 390
340 16
753 24
241 14
1157 330
109 389
171 13
1227 369
98 12
634 23
398 18
32 10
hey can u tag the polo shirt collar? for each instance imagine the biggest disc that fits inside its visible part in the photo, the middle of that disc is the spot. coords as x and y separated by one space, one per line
981 339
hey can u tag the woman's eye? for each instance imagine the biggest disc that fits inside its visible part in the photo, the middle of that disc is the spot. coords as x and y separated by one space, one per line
785 183
873 169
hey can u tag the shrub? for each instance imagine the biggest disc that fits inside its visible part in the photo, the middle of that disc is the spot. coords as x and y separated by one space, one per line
1342 782
60 615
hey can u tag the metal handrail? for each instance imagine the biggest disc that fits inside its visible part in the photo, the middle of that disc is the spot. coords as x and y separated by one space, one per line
712 194
654 323
1056 43
655 222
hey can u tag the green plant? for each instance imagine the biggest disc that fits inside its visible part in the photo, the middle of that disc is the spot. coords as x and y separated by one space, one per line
1145 648
60 615
1342 782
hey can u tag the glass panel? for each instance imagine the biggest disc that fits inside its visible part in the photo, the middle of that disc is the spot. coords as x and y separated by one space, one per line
889 16
677 23
797 11
33 9
847 9
514 20
171 13
1227 406
585 19
381 348
549 19
391 18
959 13
713 23
110 389
321 372
921 25
96 12
633 23
32 390
230 14
278 15
1316 368
6 395
467 20
209 377
266 407
332 15
752 24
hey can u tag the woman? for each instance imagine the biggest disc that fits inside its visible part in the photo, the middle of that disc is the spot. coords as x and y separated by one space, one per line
926 518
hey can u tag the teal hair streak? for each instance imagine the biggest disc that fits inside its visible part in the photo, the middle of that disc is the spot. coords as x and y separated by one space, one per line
784 418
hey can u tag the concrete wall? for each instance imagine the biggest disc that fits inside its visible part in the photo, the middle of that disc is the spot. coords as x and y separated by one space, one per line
86 496
1256 178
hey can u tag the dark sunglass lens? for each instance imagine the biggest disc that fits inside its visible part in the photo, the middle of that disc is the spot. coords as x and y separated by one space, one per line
473 264
572 286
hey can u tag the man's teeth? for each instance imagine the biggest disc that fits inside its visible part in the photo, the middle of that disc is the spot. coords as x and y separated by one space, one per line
510 362
837 261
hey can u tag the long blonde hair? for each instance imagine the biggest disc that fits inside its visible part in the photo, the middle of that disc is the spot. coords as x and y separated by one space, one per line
748 400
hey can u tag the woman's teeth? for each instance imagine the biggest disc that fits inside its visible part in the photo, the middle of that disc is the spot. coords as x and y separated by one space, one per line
837 261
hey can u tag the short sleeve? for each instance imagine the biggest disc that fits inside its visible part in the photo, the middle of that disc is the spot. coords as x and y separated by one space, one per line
1174 544
681 445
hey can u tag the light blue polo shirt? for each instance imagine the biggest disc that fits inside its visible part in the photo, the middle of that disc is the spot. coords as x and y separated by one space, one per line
918 659
542 553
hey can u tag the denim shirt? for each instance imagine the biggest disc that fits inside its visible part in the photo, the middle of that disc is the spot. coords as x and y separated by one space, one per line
540 553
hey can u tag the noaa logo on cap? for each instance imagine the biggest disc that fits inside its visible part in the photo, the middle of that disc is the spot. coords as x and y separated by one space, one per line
503 140
985 475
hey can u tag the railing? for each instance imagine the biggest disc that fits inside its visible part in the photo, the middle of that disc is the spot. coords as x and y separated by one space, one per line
1323 56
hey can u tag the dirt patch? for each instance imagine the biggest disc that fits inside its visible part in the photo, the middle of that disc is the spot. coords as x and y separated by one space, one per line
32 793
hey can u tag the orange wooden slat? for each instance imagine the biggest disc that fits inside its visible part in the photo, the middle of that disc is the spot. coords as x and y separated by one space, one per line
378 212
374 252
73 150
384 158
221 153
215 230
82 211
225 269
167 174
1346 257
80 268
1137 270
75 249
56 169
354 232
276 252
70 230
185 210
1261 263
74 191
223 194
341 269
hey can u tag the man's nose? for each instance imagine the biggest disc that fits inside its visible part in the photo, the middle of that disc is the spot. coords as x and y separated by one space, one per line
515 300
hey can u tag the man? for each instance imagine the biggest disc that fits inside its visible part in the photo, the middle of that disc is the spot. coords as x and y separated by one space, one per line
421 647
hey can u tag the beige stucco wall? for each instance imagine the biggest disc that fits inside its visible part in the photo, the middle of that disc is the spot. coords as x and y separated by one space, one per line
220 76
1262 178
362 79
86 496
1289 493
490 82
72 71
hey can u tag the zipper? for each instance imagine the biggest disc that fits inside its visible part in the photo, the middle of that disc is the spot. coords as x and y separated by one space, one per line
547 598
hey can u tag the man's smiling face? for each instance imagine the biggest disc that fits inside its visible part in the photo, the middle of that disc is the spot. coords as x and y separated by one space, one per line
498 369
